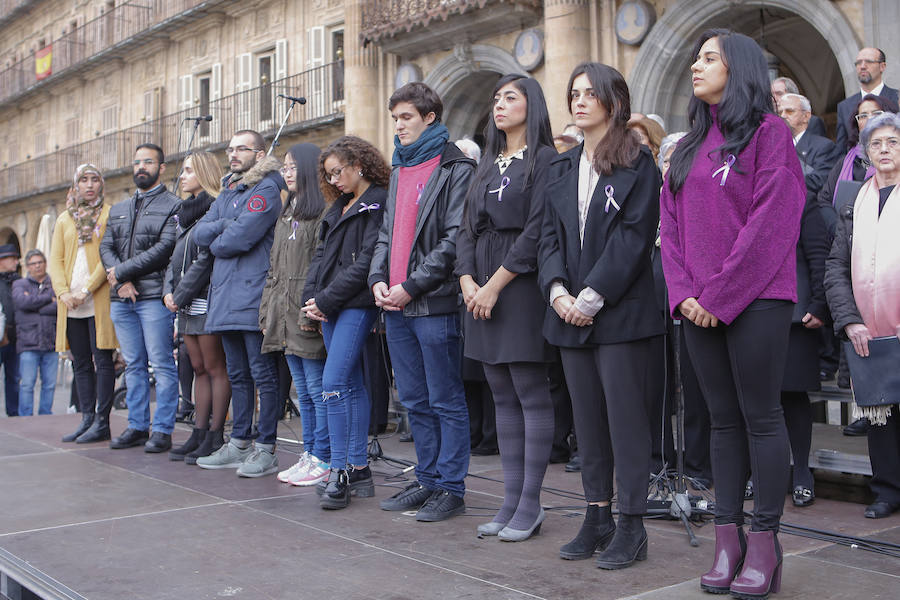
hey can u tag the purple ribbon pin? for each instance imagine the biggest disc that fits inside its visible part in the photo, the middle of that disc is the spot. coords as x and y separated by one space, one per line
367 207
725 169
420 187
504 183
610 199
294 225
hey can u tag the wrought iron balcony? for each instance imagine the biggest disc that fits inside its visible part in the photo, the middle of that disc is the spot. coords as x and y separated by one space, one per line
258 108
114 32
412 27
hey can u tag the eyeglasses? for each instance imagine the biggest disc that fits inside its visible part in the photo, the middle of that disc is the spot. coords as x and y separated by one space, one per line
35 263
863 116
286 169
866 61
888 143
335 174
146 162
231 150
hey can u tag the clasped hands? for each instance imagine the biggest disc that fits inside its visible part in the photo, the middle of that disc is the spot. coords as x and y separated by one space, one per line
691 310
72 300
393 298
126 290
480 300
564 306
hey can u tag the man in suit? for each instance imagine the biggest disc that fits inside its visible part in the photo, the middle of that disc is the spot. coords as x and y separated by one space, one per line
816 153
870 64
786 85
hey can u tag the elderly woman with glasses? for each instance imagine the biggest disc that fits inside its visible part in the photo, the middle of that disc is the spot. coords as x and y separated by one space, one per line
862 283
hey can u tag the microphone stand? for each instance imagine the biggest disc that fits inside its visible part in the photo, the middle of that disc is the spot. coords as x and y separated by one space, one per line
197 121
284 120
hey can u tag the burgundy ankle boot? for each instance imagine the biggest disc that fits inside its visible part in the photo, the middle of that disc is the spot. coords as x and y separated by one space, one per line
730 548
761 574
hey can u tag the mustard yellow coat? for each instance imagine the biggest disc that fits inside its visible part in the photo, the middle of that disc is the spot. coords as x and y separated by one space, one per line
63 250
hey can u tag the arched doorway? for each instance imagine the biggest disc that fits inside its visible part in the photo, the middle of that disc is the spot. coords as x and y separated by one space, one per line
812 41
8 236
464 81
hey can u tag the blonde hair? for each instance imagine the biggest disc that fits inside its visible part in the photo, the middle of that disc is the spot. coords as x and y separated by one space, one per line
209 173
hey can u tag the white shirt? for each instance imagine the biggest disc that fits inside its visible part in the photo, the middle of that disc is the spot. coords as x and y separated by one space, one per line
876 91
797 137
80 277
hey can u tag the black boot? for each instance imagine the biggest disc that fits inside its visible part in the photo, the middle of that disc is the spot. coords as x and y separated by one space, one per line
99 431
87 420
337 492
595 533
189 446
212 441
628 545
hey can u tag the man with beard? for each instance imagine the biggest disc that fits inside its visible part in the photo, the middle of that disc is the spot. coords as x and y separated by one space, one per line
9 360
239 230
870 64
137 245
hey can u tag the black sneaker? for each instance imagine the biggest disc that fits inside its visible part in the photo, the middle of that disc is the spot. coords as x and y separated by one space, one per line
440 506
411 497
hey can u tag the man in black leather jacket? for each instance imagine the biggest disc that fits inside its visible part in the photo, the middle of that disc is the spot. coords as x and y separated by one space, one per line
9 360
137 245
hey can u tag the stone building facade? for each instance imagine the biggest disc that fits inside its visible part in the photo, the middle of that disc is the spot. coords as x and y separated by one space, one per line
122 72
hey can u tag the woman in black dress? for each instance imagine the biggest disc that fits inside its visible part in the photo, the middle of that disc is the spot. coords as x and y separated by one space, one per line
599 225
497 262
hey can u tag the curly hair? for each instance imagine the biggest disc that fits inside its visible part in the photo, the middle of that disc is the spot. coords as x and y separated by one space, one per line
352 150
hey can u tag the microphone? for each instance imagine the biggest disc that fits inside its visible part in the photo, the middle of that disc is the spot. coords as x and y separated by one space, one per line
203 118
300 100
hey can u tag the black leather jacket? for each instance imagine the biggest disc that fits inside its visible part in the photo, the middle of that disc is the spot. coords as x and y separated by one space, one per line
188 273
139 246
429 275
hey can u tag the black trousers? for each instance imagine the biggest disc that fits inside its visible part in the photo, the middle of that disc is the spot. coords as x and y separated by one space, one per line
93 369
884 452
562 413
612 393
740 368
697 462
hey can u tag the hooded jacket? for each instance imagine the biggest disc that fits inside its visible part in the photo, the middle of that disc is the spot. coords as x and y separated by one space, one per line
429 273
139 246
239 230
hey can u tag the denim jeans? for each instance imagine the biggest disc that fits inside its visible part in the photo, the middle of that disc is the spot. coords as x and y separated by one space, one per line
425 354
9 360
144 329
343 386
247 366
307 376
30 362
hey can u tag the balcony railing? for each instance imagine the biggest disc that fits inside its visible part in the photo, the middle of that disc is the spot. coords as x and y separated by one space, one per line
385 18
117 26
258 108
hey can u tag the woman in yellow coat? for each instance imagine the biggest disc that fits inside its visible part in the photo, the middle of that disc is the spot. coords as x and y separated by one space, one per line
82 321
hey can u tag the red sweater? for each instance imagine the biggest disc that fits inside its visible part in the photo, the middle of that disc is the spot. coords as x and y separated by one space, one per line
410 183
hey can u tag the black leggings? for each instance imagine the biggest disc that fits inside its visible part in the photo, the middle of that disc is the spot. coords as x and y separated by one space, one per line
740 368
95 375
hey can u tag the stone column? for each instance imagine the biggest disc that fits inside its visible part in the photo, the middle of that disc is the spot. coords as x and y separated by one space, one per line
363 109
567 42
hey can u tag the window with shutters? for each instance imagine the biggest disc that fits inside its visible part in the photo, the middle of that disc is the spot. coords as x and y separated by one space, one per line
315 58
109 145
73 131
203 95
243 67
264 67
337 68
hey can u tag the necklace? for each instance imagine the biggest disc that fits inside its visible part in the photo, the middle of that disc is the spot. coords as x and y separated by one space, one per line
502 161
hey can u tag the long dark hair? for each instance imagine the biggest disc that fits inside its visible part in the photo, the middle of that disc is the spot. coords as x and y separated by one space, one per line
619 147
537 132
746 99
885 104
309 202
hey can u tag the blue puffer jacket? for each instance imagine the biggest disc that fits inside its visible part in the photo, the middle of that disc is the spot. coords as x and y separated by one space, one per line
239 229
35 315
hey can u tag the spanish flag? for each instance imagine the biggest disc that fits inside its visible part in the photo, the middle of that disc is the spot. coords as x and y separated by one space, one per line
43 60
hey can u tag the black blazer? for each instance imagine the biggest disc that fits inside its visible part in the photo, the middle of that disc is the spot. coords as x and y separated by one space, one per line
816 126
845 110
817 155
615 258
338 271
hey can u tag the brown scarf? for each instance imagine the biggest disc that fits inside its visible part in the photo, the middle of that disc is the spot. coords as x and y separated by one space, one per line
85 213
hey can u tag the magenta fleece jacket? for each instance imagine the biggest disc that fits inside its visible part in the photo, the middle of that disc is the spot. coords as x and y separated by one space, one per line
728 245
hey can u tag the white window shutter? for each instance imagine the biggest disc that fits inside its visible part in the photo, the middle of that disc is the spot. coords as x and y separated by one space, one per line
244 72
215 82
186 92
281 59
316 46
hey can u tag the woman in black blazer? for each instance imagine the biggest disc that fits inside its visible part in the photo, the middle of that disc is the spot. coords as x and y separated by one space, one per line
600 217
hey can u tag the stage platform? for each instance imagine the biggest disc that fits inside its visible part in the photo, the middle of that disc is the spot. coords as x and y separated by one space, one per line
89 522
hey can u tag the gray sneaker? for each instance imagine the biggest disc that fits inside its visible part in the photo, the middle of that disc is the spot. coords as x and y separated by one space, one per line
228 456
258 464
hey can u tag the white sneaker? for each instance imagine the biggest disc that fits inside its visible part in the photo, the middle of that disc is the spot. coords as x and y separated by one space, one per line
300 474
300 465
317 472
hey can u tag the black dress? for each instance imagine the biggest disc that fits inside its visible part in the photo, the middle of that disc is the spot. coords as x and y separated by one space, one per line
502 228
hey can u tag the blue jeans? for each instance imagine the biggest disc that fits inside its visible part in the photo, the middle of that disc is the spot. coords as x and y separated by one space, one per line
29 363
246 366
425 354
343 386
144 329
9 360
307 376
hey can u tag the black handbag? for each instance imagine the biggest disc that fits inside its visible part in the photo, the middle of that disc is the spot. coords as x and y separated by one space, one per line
876 378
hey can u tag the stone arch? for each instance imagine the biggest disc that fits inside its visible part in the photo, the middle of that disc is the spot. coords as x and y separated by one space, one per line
9 236
461 80
658 77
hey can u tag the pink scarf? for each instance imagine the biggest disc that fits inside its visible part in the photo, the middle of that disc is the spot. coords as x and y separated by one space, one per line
85 213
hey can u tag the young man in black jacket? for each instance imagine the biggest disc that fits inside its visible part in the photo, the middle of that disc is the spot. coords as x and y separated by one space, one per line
137 245
412 279
9 360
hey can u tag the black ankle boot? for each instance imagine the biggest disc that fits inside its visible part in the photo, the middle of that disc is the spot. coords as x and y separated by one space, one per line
87 420
628 545
192 443
337 492
212 441
361 484
595 533
99 431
